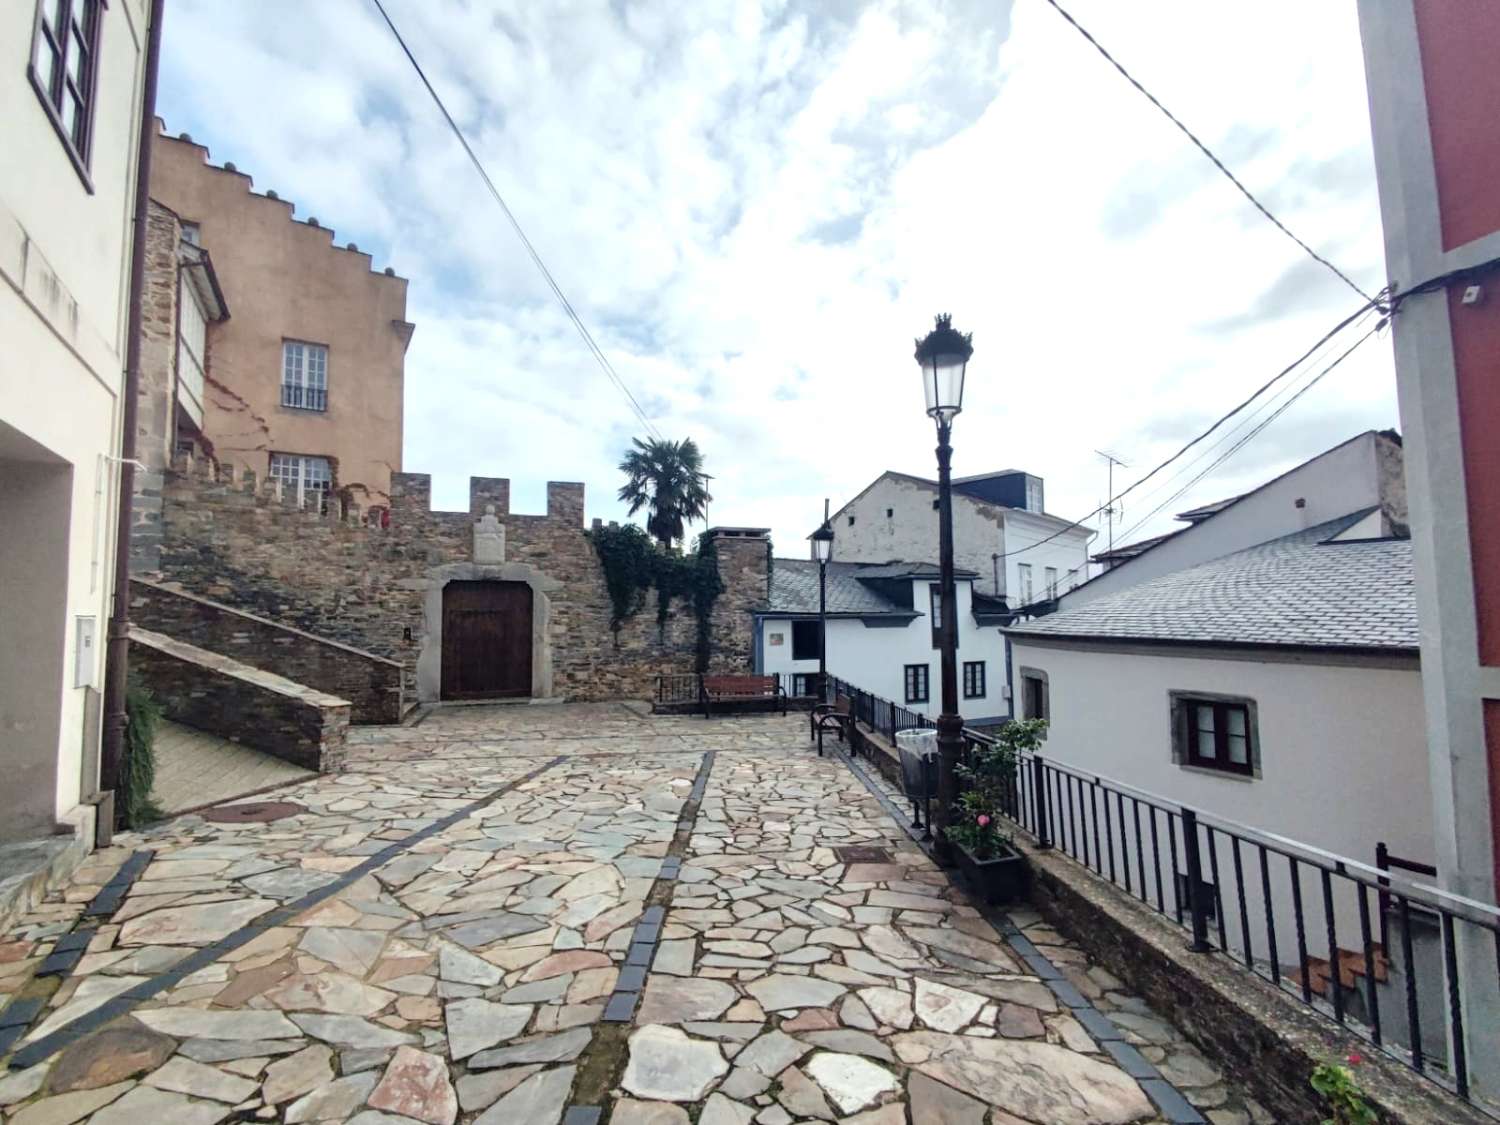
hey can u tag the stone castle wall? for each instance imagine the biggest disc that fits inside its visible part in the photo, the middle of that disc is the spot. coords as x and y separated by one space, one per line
238 542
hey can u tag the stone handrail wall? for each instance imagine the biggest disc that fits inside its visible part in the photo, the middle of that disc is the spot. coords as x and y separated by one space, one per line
259 709
372 684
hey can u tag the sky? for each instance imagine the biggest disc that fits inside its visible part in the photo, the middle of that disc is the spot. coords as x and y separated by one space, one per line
757 207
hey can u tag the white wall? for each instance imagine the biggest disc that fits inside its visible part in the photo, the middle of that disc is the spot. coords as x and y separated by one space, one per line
64 258
1343 762
980 532
1341 481
875 658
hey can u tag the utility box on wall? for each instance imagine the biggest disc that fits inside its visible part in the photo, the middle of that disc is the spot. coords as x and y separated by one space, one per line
85 664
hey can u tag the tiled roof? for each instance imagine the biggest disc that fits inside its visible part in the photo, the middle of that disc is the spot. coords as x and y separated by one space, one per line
794 589
1297 591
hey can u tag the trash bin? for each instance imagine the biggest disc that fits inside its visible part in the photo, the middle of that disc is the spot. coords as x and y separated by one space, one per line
918 751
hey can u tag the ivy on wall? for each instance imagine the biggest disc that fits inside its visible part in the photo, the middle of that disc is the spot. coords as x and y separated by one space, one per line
634 565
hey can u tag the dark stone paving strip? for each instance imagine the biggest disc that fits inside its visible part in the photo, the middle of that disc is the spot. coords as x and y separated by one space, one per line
127 1001
1174 1107
68 950
604 1061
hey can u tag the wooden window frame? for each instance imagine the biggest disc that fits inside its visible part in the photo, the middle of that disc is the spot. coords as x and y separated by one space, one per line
922 677
975 686
79 149
1185 706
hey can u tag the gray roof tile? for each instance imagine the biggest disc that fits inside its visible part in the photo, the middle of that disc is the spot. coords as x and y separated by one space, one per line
1299 590
794 586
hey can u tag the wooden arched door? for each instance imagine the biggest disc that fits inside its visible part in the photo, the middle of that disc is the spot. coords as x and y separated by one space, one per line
486 640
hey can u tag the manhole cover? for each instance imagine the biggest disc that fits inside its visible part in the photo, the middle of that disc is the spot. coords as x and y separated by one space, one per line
863 854
253 812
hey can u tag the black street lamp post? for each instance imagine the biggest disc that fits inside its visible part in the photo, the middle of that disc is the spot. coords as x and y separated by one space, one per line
822 547
943 356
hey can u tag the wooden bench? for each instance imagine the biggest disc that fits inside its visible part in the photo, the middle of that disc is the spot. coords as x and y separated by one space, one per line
836 716
725 692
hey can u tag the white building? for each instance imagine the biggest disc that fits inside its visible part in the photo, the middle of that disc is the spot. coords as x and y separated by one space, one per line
70 115
882 635
1276 687
1000 532
1363 472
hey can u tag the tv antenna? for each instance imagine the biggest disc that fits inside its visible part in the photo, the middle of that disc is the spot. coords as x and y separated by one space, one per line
1110 511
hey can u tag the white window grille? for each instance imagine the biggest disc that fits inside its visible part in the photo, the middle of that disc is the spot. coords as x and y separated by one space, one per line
1024 574
1052 581
306 478
304 375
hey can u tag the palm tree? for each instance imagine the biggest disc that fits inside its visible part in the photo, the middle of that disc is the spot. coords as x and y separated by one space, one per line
668 478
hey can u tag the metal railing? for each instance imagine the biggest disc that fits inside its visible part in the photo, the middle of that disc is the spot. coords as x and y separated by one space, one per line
678 687
1316 925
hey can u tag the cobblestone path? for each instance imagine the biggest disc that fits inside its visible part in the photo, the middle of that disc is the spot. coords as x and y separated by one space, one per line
525 915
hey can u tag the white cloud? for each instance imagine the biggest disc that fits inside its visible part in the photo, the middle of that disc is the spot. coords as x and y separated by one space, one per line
757 206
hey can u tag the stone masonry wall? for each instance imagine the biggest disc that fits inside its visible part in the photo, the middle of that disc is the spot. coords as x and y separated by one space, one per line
259 709
156 402
365 586
372 684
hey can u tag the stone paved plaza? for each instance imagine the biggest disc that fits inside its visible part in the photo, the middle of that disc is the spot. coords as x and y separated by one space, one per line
509 914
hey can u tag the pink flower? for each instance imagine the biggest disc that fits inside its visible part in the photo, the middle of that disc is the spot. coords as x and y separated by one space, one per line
1356 1058
983 820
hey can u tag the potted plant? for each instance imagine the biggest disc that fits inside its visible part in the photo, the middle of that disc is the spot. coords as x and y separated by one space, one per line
986 856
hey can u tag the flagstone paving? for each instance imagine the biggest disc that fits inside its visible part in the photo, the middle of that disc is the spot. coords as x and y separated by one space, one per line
749 974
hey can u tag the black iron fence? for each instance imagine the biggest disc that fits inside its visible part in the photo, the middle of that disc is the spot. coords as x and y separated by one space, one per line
1317 925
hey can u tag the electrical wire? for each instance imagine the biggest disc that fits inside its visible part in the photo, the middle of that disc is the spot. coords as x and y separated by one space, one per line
599 357
1277 413
1203 148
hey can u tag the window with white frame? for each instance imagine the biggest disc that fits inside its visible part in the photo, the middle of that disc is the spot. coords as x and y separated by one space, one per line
304 375
1073 579
1033 494
1052 581
1023 572
302 476
192 346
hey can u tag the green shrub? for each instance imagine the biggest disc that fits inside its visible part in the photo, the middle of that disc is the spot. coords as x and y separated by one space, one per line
138 770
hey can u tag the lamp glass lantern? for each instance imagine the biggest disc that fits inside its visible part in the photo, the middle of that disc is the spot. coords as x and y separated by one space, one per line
943 355
822 544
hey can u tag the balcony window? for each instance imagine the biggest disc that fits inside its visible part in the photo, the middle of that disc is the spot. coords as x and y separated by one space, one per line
304 375
62 72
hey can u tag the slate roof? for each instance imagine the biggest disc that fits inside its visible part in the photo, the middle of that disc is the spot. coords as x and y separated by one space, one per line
794 586
1299 591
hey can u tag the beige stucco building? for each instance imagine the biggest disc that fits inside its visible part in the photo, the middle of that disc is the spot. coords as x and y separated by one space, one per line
69 128
303 380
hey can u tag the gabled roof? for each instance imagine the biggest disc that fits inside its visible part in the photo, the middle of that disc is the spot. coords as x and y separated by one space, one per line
1130 550
958 493
1299 591
854 589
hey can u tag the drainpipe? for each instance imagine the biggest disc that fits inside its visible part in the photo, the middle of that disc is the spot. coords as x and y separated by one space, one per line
117 656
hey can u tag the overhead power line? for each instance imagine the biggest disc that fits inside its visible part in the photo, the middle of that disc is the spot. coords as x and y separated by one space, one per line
1277 413
1203 148
599 357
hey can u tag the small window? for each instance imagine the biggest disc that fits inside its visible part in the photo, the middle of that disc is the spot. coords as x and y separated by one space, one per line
1051 573
1036 695
1023 571
190 234
1215 732
1073 579
916 683
309 479
851 521
936 504
935 608
890 513
62 72
973 679
804 684
805 637
304 375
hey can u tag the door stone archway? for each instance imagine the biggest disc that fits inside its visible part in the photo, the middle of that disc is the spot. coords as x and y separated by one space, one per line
431 680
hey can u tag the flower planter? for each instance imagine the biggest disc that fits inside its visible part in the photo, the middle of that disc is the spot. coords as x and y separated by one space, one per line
1000 879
